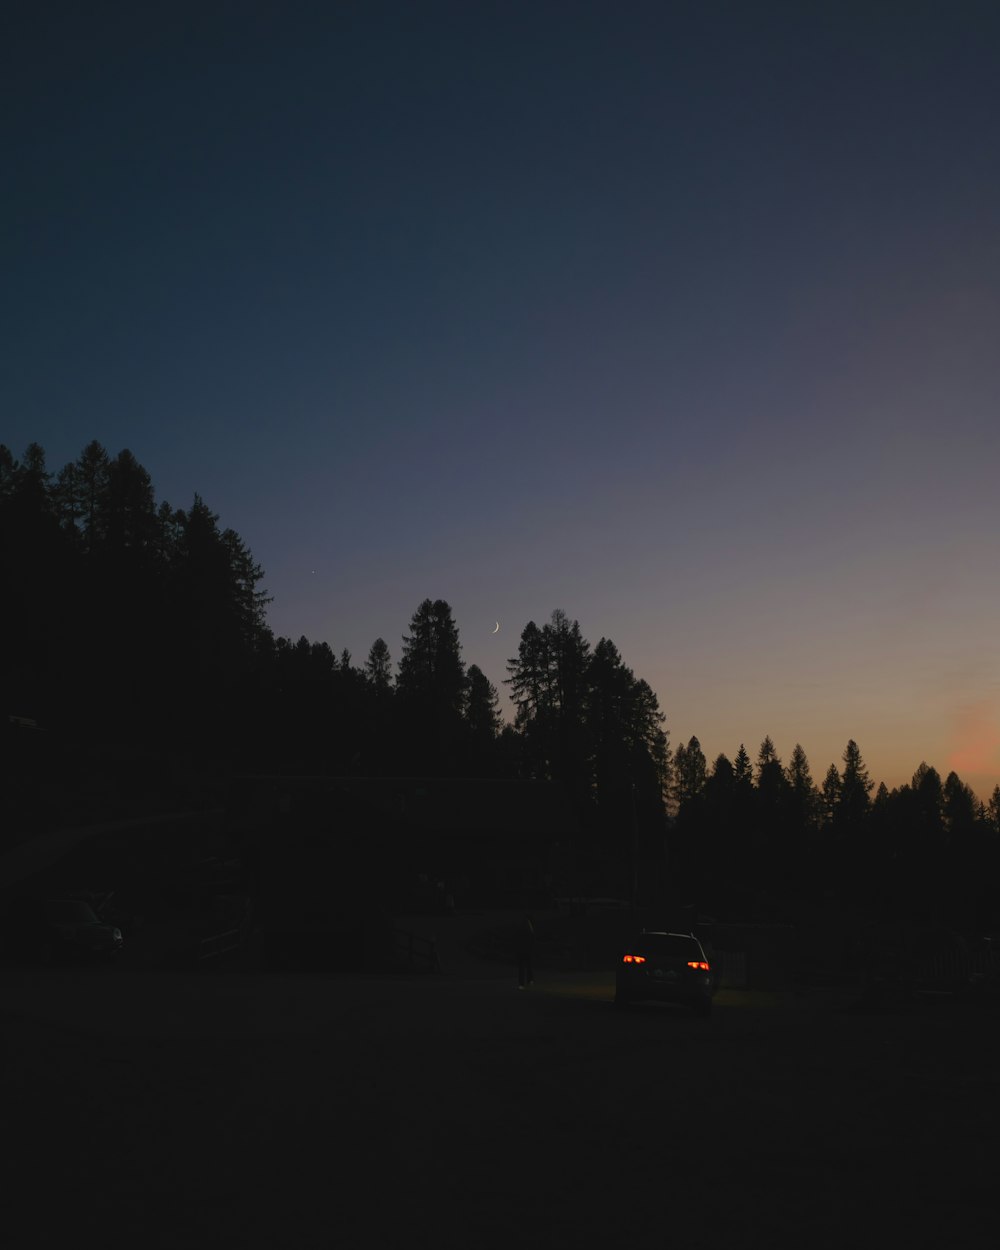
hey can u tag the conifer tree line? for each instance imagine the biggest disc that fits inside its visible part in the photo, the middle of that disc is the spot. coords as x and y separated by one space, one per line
134 621
123 618
128 621
758 834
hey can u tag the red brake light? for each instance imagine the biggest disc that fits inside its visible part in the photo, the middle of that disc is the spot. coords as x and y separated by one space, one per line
698 963
634 959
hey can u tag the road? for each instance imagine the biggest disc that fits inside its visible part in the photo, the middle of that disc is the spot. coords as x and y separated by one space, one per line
233 1109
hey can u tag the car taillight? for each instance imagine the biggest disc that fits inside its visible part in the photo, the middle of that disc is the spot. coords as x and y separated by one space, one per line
634 959
698 963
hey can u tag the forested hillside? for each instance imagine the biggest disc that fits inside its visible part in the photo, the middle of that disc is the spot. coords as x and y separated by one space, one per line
138 671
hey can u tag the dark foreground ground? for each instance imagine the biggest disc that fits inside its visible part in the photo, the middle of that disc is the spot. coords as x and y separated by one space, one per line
179 1110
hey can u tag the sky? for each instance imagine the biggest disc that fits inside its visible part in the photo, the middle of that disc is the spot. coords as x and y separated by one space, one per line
680 317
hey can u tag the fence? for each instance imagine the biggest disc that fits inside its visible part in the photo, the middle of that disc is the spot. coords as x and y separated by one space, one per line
731 967
220 943
230 939
953 969
420 952
986 963
750 956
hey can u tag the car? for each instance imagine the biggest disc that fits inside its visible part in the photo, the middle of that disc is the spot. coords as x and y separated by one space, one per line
667 968
59 930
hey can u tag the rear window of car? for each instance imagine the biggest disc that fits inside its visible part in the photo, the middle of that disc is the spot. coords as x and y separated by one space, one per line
668 944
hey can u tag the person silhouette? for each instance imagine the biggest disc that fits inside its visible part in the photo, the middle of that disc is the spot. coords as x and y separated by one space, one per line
524 948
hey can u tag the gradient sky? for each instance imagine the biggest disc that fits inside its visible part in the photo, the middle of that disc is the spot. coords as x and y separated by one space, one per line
682 317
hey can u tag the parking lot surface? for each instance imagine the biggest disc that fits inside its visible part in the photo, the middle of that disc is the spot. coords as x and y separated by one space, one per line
241 1109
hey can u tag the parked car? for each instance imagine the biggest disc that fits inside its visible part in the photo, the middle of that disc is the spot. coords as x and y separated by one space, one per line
666 967
59 930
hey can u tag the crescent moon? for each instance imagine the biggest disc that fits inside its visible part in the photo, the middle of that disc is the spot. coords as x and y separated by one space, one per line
497 629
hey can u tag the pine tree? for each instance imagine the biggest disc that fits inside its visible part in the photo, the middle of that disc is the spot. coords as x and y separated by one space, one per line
430 688
805 797
482 704
33 566
721 778
8 472
831 793
378 666
125 508
91 480
848 794
690 773
431 671
247 602
959 809
766 755
855 785
608 713
771 783
569 657
529 677
627 745
548 681
993 810
772 846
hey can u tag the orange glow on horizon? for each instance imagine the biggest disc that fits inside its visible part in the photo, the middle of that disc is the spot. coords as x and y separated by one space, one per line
975 739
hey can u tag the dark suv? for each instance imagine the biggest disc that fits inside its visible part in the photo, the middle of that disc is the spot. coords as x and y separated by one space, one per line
668 968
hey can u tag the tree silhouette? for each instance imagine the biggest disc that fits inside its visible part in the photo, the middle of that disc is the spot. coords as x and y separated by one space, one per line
166 610
850 825
742 771
690 772
804 797
431 668
431 687
482 704
831 794
378 667
771 838
548 681
993 811
247 604
126 508
482 722
959 809
804 806
34 563
585 720
529 683
855 786
131 623
81 490
772 786
627 756
721 780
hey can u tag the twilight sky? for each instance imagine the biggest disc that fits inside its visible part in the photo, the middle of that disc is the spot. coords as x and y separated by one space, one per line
682 317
